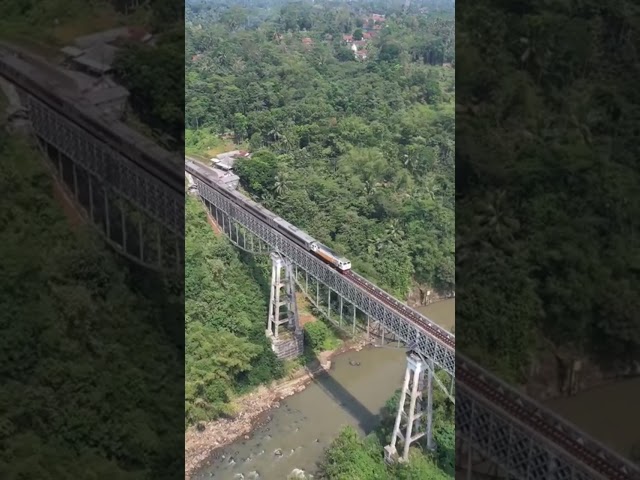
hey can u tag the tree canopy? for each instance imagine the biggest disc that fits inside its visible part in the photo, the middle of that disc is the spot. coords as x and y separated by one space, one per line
90 380
546 213
358 153
225 315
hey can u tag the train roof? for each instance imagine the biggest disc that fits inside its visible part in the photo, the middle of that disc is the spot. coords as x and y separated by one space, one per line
299 232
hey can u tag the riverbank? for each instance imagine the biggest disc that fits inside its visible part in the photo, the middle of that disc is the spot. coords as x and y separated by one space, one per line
253 408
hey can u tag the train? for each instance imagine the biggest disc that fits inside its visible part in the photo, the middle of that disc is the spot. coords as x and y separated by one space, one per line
143 152
300 237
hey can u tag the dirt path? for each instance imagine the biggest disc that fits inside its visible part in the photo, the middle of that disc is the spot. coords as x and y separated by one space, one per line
253 408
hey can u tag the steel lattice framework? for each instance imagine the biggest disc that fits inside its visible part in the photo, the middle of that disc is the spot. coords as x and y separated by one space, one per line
524 439
408 332
162 203
130 189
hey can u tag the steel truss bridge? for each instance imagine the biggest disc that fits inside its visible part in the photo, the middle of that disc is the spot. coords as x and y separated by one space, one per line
129 191
125 186
524 439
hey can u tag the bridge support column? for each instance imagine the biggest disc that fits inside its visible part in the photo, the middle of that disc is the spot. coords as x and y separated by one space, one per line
413 427
286 342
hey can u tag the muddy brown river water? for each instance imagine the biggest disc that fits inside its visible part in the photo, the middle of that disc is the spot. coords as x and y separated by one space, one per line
305 424
297 433
606 413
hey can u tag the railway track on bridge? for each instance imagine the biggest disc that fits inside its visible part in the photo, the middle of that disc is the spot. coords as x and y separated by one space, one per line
567 449
130 189
423 322
544 424
569 453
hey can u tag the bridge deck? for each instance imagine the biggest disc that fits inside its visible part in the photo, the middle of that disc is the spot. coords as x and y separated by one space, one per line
513 430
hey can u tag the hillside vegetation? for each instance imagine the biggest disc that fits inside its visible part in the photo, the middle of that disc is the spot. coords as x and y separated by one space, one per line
91 383
358 153
547 248
227 350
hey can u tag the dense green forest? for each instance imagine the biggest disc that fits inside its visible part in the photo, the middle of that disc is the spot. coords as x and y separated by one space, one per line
225 314
547 232
351 457
357 152
88 374
91 368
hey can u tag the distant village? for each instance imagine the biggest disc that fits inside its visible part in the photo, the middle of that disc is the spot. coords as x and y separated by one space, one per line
372 25
370 29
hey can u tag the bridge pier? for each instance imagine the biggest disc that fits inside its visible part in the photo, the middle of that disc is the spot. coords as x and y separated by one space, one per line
286 342
414 427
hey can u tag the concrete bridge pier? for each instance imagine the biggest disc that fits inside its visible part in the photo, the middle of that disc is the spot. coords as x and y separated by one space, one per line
287 337
410 425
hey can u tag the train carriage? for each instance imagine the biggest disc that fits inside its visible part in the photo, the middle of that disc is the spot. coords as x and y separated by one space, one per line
238 200
303 237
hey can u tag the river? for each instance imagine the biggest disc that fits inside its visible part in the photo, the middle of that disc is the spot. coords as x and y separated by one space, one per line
605 413
306 423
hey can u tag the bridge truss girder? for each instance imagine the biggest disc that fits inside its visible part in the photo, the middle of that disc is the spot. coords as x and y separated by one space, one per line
479 423
137 215
428 347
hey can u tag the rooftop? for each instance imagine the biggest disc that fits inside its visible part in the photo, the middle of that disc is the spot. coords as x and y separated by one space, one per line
98 58
96 52
228 178
226 160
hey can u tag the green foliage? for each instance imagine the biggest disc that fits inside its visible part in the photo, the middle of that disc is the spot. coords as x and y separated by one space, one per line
200 140
80 352
154 76
319 337
444 436
351 458
359 154
419 466
259 172
547 239
20 15
225 311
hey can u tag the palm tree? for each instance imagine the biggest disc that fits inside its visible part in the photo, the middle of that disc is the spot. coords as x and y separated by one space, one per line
495 216
431 187
374 245
369 187
394 231
281 184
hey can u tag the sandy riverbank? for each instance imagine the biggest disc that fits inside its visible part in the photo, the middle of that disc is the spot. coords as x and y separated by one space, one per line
200 446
